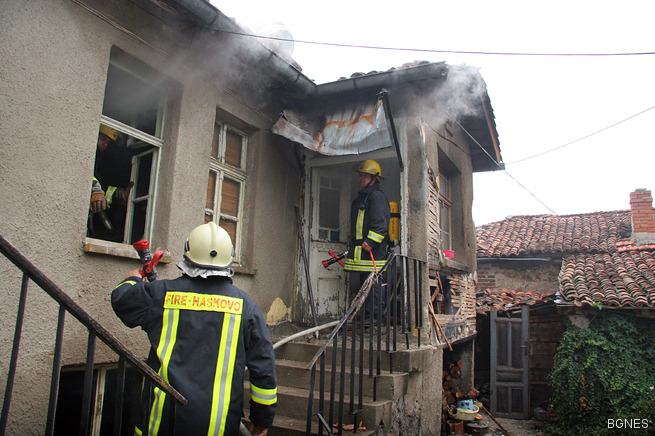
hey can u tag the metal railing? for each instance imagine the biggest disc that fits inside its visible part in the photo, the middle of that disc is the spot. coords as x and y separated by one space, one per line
66 304
378 331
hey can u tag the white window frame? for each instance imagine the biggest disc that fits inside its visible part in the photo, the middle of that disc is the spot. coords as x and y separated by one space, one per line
239 175
342 208
124 248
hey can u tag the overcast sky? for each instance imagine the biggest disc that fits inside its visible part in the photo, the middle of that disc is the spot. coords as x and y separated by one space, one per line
540 102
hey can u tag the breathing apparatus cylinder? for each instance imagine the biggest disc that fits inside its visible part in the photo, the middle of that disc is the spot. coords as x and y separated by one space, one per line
394 223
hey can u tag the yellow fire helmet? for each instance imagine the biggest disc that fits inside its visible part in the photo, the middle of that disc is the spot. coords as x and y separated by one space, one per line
369 167
209 246
111 133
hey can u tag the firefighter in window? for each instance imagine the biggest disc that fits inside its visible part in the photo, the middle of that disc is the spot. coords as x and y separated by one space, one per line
111 187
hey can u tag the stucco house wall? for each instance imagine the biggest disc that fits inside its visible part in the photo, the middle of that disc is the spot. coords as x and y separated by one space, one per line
55 59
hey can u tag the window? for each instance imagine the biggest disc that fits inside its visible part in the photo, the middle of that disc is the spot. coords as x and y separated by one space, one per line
103 401
227 177
445 209
126 166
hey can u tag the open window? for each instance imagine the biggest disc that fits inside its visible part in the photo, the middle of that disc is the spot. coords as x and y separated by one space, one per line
103 401
227 179
127 168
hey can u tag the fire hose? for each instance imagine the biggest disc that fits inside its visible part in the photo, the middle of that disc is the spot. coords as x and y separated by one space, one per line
334 258
338 258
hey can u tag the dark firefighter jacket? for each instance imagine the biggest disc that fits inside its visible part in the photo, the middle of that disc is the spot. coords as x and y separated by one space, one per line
203 333
369 222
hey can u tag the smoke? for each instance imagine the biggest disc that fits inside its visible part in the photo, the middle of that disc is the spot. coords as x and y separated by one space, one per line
458 97
232 58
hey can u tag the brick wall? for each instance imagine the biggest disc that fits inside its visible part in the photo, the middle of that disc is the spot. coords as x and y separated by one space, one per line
462 289
486 278
641 204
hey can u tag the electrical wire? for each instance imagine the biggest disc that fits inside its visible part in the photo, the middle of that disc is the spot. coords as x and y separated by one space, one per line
499 166
421 50
584 137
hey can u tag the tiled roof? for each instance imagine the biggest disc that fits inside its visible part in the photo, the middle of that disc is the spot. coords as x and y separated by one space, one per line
600 263
541 235
619 279
503 300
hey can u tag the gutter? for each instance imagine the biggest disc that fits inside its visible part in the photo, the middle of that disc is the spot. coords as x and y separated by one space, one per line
514 259
384 79
216 20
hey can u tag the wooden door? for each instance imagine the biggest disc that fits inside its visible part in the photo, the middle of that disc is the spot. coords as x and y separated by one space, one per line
329 232
509 365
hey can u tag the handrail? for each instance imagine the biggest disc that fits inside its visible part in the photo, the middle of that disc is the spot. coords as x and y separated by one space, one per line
402 276
67 304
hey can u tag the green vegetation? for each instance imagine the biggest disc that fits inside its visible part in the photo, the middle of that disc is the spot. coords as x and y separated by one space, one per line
605 372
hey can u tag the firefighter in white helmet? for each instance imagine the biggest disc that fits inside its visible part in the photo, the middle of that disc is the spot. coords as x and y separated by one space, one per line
203 332
369 229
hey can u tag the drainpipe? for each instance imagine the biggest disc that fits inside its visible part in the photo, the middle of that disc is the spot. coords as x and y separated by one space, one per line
384 96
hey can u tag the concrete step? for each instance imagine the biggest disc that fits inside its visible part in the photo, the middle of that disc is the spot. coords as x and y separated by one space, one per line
285 426
292 407
294 380
403 360
387 386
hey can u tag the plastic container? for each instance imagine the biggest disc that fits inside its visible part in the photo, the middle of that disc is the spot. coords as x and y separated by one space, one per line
465 404
464 414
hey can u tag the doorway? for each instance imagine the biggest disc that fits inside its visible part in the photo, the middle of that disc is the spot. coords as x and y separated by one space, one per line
332 185
330 193
509 364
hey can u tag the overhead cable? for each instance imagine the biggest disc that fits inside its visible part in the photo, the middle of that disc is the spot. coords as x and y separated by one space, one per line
425 50
580 139
498 164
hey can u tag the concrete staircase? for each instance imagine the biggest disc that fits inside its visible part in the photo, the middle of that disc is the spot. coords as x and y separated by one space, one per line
294 381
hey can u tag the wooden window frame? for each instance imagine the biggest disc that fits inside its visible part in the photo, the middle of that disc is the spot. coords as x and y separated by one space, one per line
444 202
223 170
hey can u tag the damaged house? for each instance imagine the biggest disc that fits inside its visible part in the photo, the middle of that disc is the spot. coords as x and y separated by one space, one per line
536 272
211 126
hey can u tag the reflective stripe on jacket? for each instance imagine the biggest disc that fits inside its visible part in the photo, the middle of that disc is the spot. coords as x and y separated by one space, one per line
369 222
203 333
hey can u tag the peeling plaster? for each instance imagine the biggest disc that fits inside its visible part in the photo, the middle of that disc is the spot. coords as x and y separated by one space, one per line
278 312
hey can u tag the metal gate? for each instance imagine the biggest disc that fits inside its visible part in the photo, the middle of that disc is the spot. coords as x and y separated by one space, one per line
509 364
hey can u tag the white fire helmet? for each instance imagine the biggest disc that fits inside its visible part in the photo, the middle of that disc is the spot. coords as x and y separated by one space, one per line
209 246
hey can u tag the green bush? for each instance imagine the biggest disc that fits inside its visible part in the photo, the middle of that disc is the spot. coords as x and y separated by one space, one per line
606 371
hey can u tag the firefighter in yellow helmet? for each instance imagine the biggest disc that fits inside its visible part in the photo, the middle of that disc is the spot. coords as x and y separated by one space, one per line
110 189
369 228
203 332
106 137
